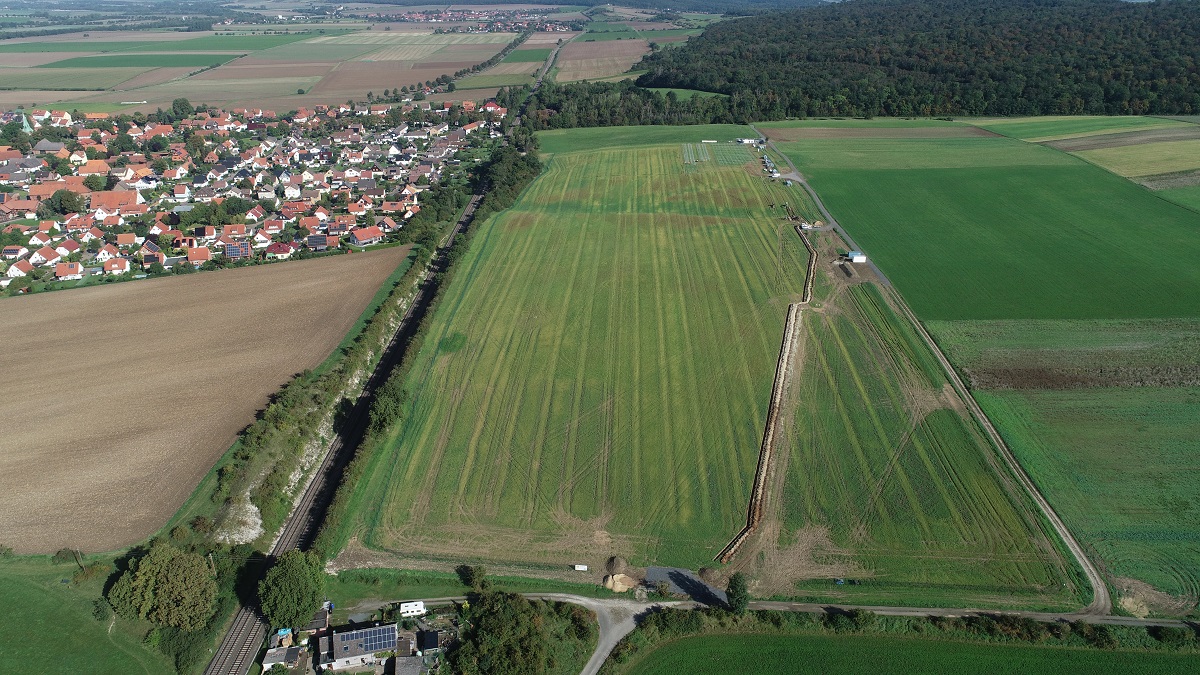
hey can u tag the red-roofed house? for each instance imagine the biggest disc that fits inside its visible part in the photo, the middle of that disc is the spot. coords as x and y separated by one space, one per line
19 269
365 236
44 256
199 255
69 271
116 266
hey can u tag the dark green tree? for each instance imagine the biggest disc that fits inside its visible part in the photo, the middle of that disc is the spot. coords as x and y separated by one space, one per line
293 589
737 594
167 586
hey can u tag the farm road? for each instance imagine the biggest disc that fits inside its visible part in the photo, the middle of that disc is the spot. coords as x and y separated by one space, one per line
617 617
1101 604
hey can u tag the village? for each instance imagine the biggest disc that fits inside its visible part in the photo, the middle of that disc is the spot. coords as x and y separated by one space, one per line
114 198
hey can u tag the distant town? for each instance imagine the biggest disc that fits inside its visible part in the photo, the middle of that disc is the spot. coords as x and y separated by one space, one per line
97 195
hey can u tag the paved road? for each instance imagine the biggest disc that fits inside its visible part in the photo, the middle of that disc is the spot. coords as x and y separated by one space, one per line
1101 604
246 634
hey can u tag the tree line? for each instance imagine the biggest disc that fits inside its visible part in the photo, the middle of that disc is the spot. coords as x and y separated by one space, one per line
946 57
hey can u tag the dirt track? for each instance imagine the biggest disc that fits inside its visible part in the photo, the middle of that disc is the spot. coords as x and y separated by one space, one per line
120 398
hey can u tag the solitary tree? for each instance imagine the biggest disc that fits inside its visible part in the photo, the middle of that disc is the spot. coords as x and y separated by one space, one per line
168 586
736 593
292 590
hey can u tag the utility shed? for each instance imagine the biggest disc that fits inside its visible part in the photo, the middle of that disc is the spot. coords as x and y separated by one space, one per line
856 257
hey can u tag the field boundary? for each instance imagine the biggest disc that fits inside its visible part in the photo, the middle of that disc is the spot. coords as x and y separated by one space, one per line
757 494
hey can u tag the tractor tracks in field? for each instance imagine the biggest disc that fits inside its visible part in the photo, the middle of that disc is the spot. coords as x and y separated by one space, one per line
1101 604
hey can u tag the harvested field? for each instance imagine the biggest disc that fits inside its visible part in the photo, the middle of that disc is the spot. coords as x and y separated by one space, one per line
31 98
526 68
596 60
356 78
1147 159
402 53
540 39
138 422
392 38
1122 139
153 77
546 421
252 68
28 60
948 130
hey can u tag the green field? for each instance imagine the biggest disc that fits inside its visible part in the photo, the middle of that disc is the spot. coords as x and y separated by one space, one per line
1119 465
886 468
62 46
48 625
869 655
527 55
989 227
228 43
1057 128
595 380
67 79
144 61
1186 196
685 94
575 140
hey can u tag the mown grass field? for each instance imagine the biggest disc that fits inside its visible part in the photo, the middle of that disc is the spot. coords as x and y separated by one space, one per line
869 655
1119 466
988 227
595 380
886 467
48 625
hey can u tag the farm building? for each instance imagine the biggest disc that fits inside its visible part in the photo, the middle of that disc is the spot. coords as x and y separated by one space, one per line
411 609
356 649
856 257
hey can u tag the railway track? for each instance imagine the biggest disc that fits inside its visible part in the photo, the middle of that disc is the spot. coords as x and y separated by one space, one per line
239 648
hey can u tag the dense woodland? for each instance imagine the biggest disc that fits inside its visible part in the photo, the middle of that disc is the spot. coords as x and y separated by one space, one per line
934 57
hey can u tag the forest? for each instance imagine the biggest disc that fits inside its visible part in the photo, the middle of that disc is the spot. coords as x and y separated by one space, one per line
946 57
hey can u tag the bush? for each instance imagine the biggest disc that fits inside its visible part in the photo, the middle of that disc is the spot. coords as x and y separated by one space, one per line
64 555
1170 635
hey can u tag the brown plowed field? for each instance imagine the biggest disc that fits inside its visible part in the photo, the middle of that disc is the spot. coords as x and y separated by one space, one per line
796 134
120 398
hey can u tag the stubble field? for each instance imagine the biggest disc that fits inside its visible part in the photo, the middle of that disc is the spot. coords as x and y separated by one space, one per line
598 60
125 395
